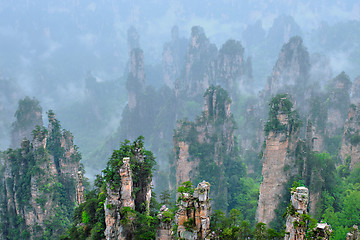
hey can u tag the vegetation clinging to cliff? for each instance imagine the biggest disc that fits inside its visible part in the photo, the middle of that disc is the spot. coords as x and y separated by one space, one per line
280 104
89 217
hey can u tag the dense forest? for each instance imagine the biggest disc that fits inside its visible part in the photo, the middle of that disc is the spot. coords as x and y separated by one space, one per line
185 135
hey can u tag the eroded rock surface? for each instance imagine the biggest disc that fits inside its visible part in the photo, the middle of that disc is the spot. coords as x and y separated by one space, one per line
291 71
39 182
350 148
353 234
118 198
193 215
299 202
278 158
208 141
322 231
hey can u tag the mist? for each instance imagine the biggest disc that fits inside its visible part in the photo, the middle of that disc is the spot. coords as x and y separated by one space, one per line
209 84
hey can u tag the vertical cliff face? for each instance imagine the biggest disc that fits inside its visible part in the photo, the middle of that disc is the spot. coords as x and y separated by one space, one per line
291 71
209 141
355 91
339 102
200 63
295 229
193 215
80 189
118 198
39 184
135 83
232 70
173 57
350 148
278 156
28 115
128 189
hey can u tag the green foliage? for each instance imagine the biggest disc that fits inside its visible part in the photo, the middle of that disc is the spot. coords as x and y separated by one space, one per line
89 217
355 139
141 170
186 187
280 104
339 207
31 167
189 224
222 99
234 226
333 144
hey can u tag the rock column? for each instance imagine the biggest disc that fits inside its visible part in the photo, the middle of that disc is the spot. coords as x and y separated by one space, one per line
295 229
353 234
193 216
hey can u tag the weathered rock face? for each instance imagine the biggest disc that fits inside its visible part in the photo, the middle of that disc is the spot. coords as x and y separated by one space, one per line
135 83
200 62
80 189
38 182
28 115
350 148
353 234
232 71
355 92
322 231
278 157
193 215
291 71
173 57
299 201
127 193
117 199
339 102
207 141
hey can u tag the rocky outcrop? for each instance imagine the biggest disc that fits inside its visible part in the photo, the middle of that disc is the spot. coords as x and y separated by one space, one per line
322 231
355 91
200 61
208 141
128 192
338 104
291 71
28 115
164 231
278 157
350 148
80 189
117 200
193 215
295 227
353 234
233 72
38 182
135 83
173 57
